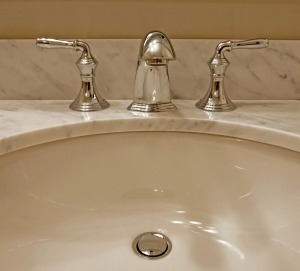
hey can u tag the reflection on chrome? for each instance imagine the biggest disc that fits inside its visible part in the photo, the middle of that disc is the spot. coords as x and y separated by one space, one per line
163 231
232 247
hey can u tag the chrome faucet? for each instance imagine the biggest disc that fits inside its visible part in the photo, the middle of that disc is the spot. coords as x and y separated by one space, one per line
152 89
88 98
216 98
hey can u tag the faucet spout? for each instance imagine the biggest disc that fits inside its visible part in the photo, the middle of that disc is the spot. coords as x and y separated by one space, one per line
152 88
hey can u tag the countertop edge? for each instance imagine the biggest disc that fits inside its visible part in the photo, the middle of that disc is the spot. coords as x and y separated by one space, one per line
29 123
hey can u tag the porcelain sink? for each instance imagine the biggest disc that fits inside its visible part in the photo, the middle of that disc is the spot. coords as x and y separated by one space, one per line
226 204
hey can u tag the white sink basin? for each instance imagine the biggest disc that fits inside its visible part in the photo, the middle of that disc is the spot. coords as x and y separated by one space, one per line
78 204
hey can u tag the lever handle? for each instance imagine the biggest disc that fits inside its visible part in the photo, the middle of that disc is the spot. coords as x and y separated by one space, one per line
50 43
244 44
77 45
250 44
86 63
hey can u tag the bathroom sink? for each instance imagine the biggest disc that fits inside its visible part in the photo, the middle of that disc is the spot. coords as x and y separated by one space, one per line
78 204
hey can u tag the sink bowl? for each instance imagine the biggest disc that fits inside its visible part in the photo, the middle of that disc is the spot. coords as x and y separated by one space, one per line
78 204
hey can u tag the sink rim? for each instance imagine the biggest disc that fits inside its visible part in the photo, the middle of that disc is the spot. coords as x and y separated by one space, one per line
47 121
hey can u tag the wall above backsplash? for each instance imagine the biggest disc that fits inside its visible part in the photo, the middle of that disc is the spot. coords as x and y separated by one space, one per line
197 19
28 72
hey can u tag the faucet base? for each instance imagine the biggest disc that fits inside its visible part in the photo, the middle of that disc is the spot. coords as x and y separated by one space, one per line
163 107
93 105
210 105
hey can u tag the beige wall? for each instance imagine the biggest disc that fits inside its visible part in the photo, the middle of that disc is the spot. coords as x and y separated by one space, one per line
239 19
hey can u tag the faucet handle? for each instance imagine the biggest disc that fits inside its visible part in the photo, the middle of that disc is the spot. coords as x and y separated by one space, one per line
50 43
244 44
156 48
250 44
88 98
216 98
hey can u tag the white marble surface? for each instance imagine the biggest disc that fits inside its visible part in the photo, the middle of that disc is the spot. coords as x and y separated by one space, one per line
28 72
27 123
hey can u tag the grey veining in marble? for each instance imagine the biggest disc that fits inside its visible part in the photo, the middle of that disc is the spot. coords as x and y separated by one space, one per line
27 123
27 72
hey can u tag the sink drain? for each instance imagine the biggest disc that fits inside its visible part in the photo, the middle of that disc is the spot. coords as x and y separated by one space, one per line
152 245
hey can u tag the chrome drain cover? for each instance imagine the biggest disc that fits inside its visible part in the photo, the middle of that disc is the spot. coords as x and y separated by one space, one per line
152 245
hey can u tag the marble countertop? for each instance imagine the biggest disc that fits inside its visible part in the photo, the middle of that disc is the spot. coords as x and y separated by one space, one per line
27 123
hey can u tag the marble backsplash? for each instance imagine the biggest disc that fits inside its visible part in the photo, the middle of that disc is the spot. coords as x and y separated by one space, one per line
28 72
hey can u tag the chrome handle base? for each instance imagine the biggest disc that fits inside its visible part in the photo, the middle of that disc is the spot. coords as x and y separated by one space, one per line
88 99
